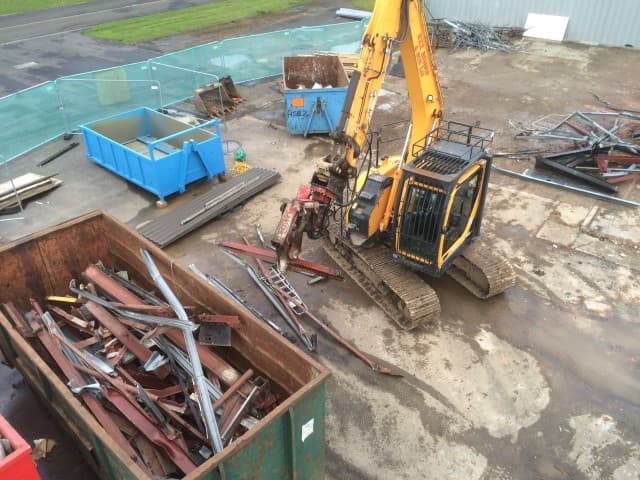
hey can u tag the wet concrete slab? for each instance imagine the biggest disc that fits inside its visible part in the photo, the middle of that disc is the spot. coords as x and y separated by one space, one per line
540 382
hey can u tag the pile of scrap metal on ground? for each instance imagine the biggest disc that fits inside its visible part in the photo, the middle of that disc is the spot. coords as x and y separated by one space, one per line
590 152
169 401
455 34
282 295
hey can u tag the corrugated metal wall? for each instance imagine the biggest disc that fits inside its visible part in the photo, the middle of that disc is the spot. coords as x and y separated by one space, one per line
606 22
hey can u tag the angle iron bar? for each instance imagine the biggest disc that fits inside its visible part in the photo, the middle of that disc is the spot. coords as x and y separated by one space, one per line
272 298
233 296
141 317
232 424
601 196
199 377
147 296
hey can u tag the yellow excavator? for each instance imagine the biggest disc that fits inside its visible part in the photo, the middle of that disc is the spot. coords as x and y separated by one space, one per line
421 209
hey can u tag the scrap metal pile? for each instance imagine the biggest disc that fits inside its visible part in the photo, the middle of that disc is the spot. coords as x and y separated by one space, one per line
456 34
169 401
287 302
599 149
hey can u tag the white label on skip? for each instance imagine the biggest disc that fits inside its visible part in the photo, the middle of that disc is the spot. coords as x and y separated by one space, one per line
307 429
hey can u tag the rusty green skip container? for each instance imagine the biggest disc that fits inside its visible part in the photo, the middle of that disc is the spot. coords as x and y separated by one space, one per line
286 444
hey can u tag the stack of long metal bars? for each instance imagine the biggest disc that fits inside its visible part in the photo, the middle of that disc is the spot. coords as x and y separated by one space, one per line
218 200
131 357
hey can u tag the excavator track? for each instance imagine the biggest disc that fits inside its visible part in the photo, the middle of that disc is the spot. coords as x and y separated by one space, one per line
400 293
481 272
403 294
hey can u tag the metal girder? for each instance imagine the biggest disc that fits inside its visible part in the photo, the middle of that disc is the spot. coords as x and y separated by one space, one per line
295 263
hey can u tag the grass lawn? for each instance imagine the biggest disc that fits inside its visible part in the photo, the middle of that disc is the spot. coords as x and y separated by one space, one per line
7 7
363 4
150 27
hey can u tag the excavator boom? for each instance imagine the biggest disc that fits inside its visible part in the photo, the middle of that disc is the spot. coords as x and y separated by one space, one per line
421 209
393 22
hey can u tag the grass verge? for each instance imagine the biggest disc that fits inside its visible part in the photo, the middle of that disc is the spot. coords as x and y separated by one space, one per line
150 27
8 7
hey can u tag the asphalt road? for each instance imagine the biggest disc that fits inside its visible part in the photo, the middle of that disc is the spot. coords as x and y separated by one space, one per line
39 46
18 28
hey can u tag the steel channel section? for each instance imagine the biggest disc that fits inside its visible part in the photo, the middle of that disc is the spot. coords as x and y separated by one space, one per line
199 378
125 336
153 433
295 263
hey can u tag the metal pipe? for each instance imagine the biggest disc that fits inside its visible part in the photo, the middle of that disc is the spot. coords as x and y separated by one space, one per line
199 377
233 388
601 196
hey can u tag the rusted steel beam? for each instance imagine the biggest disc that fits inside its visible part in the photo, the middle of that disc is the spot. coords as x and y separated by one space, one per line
603 160
71 320
623 178
182 422
150 431
18 320
127 338
87 342
112 287
233 389
578 128
93 404
295 263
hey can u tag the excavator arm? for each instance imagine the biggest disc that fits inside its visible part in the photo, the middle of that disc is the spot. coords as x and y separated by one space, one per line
400 22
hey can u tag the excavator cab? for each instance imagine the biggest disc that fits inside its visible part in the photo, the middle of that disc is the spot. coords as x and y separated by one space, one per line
442 194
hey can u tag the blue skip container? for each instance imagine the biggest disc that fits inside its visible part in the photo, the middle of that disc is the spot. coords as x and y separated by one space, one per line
155 151
314 91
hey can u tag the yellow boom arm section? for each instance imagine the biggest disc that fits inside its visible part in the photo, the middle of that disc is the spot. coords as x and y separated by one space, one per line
402 22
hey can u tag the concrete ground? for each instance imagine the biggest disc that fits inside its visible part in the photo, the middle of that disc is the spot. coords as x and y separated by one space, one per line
541 382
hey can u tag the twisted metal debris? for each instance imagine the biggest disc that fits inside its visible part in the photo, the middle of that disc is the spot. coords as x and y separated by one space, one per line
458 35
